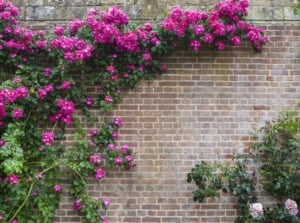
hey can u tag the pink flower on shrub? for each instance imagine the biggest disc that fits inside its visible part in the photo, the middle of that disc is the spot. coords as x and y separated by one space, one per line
111 69
198 30
74 26
77 205
118 160
1 217
118 122
57 188
95 159
2 143
99 173
108 99
47 71
41 93
49 88
47 138
94 132
124 148
65 86
236 41
12 179
41 44
147 57
129 158
115 135
65 112
256 209
22 92
164 68
89 101
106 202
14 221
17 114
59 30
17 80
111 146
195 45
39 176
208 38
115 16
291 206
220 45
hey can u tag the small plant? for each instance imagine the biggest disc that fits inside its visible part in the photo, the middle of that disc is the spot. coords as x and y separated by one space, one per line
275 151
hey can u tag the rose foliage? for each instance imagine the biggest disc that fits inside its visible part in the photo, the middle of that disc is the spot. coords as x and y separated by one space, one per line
48 78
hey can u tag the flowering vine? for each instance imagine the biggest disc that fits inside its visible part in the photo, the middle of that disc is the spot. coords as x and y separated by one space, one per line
45 79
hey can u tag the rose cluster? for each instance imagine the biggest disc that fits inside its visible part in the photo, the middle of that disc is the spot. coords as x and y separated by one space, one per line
223 23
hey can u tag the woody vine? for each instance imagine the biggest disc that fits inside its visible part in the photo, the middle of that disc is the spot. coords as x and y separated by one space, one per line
45 79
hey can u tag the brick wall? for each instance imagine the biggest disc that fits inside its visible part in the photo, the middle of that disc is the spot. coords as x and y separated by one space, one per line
204 108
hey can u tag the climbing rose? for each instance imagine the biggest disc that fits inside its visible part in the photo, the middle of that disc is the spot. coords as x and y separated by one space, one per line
124 148
17 114
291 206
106 202
77 205
57 188
256 209
47 138
118 160
95 159
118 122
13 179
99 174
108 99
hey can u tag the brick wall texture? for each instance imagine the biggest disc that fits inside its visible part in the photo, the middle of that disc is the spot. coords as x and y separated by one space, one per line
204 108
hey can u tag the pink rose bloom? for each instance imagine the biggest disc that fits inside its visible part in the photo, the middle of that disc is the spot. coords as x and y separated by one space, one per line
57 188
108 99
47 71
208 38
41 93
115 135
95 159
39 176
118 160
99 174
94 132
1 143
17 114
256 209
198 30
220 45
13 179
89 101
65 86
111 146
118 122
106 202
291 206
195 45
124 148
236 41
41 44
59 30
77 205
47 138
